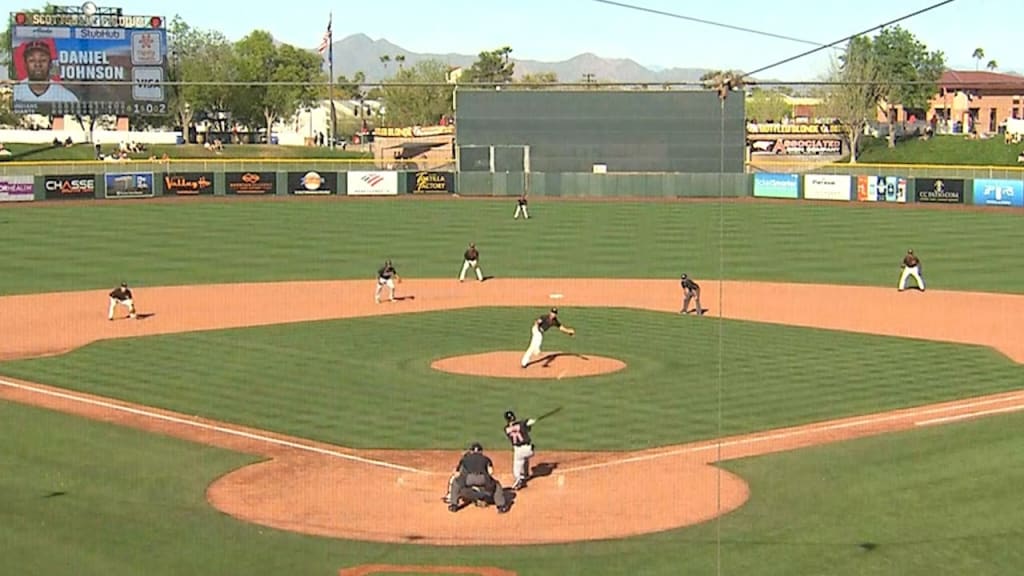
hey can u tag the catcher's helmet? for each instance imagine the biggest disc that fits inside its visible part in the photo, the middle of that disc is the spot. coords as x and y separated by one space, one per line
510 416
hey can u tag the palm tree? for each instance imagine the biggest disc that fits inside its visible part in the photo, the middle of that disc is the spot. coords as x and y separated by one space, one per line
978 54
384 60
992 65
400 58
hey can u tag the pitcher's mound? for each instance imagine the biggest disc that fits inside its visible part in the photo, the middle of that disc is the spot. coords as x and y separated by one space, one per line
548 365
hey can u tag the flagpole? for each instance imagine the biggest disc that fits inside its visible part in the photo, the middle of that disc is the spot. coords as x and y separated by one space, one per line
330 75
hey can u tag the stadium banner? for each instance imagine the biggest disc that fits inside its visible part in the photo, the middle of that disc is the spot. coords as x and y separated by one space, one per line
17 189
881 189
769 185
380 183
430 182
75 63
796 146
939 191
128 185
188 184
827 186
250 183
312 183
999 193
67 187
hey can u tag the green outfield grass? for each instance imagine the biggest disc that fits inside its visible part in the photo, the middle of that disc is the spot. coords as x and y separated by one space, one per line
365 372
84 246
93 498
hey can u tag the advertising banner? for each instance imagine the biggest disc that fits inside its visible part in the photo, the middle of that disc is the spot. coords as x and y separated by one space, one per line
881 189
75 63
76 186
381 183
939 191
129 185
768 185
827 187
16 189
999 193
252 183
430 182
188 184
797 147
312 183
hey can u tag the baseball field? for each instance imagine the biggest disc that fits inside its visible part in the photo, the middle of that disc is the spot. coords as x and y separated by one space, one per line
265 417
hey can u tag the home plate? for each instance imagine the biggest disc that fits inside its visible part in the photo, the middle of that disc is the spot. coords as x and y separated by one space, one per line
556 295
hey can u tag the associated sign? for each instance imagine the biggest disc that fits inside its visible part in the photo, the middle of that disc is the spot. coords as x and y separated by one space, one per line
312 182
999 193
430 182
189 183
768 185
797 147
129 185
16 189
382 183
827 186
881 189
939 191
79 186
251 182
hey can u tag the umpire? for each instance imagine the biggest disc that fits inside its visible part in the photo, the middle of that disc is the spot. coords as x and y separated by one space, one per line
475 470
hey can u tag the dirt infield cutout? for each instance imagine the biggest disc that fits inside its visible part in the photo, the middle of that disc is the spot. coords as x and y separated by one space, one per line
306 486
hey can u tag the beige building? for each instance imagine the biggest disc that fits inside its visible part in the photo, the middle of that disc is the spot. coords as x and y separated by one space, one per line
971 102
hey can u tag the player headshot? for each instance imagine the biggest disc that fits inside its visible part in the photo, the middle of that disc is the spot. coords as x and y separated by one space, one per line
37 86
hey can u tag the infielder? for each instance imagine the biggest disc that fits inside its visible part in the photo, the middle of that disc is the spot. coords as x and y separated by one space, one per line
121 295
540 326
521 208
518 433
911 269
691 290
386 276
471 259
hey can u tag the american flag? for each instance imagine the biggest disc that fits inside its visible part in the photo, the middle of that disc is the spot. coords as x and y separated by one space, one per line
325 43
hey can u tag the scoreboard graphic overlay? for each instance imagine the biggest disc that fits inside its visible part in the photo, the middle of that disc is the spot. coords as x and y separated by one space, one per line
88 64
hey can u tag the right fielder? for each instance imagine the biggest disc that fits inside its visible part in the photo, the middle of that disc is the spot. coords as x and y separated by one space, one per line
540 326
518 433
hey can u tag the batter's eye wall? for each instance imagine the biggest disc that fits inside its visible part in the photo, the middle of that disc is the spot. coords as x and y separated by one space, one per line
629 131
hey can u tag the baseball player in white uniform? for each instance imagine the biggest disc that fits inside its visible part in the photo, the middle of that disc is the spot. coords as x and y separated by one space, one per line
518 433
386 276
471 259
121 295
911 269
540 326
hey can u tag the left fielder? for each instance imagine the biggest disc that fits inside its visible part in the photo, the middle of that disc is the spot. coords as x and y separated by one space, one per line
540 326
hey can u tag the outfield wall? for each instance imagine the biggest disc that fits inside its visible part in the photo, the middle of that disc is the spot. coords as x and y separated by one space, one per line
140 180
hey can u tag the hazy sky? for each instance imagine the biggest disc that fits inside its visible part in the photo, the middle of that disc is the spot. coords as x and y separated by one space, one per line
551 30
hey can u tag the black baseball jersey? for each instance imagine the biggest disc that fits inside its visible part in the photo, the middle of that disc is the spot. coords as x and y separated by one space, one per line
689 284
119 294
546 321
472 254
910 260
386 272
522 201
475 463
518 433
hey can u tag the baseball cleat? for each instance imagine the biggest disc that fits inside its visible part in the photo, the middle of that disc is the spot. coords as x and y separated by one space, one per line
502 509
453 508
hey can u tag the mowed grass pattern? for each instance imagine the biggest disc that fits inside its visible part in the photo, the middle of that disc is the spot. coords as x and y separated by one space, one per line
76 246
368 383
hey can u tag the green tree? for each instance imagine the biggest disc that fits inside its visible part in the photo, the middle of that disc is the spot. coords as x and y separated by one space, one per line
197 56
350 89
281 80
415 105
853 97
908 70
764 105
492 68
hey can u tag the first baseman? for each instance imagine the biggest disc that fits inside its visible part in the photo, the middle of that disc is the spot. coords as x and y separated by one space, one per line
540 326
911 269
471 259
518 433
121 295
386 276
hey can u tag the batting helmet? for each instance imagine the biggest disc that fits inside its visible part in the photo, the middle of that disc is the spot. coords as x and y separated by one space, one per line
476 447
682 277
510 416
37 45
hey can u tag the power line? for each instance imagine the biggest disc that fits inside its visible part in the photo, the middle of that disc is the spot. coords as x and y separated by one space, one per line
848 38
708 22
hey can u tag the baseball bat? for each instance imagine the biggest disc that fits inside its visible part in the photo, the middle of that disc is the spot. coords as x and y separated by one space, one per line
546 414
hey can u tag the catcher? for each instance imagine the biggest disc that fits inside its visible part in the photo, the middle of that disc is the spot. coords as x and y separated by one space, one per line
386 276
474 481
121 295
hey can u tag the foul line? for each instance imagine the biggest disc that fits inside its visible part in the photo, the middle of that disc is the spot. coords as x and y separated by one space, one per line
812 429
210 427
970 415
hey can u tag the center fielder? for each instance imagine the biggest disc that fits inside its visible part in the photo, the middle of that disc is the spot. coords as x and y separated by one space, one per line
518 433
540 326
